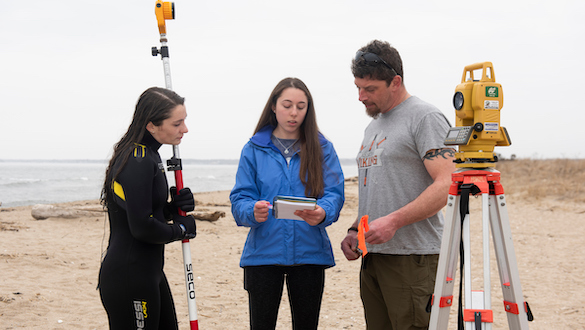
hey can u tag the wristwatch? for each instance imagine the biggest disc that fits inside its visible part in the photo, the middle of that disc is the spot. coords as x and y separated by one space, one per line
183 230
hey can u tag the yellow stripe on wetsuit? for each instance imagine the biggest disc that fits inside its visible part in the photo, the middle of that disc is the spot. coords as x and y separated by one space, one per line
139 151
118 190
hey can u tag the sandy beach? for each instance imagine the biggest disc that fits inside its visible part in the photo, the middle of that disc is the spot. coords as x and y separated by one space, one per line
48 268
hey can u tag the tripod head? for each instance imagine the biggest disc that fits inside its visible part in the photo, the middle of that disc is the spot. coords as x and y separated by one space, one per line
164 10
477 108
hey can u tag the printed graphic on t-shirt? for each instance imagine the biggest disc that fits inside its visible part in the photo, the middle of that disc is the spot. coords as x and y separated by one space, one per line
370 154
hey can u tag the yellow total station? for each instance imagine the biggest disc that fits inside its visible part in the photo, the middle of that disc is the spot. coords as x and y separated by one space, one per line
477 108
164 10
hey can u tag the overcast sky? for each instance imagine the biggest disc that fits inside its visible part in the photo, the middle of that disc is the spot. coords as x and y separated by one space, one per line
71 71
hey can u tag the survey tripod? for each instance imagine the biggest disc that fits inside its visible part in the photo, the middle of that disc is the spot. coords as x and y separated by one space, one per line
477 313
166 10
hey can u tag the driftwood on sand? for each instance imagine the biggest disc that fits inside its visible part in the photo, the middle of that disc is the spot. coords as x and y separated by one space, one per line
209 216
45 211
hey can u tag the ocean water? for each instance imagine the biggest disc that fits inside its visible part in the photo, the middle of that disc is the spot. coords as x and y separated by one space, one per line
46 182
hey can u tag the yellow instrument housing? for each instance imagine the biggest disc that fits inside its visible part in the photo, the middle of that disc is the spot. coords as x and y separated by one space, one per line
480 102
164 10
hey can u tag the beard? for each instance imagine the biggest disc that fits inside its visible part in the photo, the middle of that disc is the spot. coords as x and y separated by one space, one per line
373 112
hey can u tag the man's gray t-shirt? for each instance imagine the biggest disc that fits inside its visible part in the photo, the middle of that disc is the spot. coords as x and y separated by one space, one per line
392 173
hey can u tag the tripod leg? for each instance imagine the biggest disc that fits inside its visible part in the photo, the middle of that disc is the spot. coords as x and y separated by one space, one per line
478 314
486 294
508 269
486 253
447 266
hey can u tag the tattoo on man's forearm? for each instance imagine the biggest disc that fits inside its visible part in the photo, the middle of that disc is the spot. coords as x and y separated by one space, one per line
445 153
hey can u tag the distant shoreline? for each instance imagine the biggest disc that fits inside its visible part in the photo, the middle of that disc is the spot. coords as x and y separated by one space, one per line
234 161
42 181
343 161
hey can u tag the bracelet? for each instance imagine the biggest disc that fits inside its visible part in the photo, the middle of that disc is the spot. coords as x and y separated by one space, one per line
352 229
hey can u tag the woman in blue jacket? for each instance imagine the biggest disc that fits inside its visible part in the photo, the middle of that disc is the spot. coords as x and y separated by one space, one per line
287 156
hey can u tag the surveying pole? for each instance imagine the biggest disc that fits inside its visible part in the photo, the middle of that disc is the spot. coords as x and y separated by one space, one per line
478 130
166 10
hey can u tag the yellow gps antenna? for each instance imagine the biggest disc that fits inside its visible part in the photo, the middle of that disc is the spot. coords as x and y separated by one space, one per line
166 10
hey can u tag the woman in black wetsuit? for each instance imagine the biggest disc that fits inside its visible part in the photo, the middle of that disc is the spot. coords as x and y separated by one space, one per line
132 284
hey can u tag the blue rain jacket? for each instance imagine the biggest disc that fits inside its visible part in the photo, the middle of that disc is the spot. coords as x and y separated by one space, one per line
262 174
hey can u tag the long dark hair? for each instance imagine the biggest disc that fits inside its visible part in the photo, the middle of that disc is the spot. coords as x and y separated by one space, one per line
311 171
154 105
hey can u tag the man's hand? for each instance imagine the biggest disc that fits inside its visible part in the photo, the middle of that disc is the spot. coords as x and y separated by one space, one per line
349 246
382 230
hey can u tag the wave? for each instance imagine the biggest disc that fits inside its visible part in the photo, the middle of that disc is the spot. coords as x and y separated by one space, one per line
32 181
12 182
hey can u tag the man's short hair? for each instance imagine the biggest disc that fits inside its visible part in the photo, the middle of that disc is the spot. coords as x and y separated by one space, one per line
364 69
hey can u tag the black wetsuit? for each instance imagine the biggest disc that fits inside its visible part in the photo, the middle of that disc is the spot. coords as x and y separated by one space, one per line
133 286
